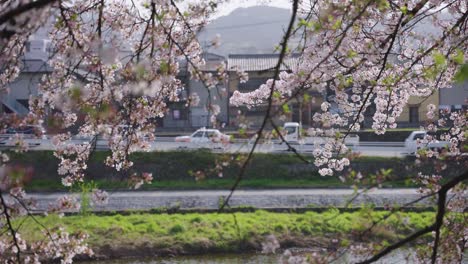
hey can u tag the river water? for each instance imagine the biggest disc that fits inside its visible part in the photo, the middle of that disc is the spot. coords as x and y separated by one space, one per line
397 257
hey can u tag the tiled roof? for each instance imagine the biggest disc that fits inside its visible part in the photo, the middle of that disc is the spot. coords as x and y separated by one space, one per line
260 62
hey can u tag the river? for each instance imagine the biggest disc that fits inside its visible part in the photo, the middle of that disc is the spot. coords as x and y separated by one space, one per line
396 257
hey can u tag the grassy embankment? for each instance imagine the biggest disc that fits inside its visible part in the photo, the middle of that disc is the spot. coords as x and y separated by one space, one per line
141 235
176 170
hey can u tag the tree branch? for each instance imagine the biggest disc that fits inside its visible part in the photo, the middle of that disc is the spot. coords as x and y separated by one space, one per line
282 54
10 227
434 227
24 9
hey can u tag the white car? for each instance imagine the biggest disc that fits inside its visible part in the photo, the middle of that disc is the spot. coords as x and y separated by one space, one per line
412 146
205 136
29 131
31 135
293 135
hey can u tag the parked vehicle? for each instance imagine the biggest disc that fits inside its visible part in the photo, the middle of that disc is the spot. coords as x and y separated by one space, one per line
29 131
293 135
30 135
412 146
205 135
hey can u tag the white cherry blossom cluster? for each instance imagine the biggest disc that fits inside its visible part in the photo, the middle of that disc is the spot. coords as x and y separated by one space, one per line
364 54
136 180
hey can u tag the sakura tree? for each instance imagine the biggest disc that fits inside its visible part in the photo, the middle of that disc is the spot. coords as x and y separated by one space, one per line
115 62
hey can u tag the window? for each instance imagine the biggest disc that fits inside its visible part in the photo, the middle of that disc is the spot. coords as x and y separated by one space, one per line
198 134
27 46
419 136
414 114
176 114
49 47
252 84
179 113
290 130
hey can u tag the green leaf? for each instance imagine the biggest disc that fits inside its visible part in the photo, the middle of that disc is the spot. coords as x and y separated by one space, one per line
352 54
160 17
459 58
404 9
75 93
337 24
276 95
430 73
383 5
316 25
303 23
59 23
164 67
286 109
74 17
462 75
439 58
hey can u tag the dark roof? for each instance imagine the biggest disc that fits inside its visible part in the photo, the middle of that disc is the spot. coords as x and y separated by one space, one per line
260 62
212 56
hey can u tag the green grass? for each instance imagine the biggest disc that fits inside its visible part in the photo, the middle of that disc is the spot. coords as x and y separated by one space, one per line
171 170
212 232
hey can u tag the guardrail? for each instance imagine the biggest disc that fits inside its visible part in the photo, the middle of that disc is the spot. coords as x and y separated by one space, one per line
99 143
8 141
381 144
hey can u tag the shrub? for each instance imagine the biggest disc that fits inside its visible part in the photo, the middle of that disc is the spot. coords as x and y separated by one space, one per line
177 228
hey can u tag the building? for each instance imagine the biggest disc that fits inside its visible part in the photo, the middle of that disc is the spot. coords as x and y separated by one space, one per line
415 111
455 98
179 114
185 115
260 68
200 113
34 66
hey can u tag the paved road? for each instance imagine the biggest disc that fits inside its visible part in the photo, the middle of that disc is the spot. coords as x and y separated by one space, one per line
266 199
384 149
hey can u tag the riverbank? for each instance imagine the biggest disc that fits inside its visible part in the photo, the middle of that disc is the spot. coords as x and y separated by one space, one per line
201 170
148 235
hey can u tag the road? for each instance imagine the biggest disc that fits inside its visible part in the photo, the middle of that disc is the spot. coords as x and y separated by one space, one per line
383 149
266 199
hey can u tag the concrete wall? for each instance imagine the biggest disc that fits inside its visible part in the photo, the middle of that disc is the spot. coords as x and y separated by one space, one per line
19 91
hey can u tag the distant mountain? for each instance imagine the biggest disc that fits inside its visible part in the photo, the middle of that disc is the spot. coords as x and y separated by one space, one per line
258 29
247 30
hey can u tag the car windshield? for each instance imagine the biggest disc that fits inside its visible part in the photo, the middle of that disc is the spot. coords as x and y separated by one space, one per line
290 130
198 134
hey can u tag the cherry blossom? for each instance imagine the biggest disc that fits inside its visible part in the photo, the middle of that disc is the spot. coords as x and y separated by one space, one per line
117 63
